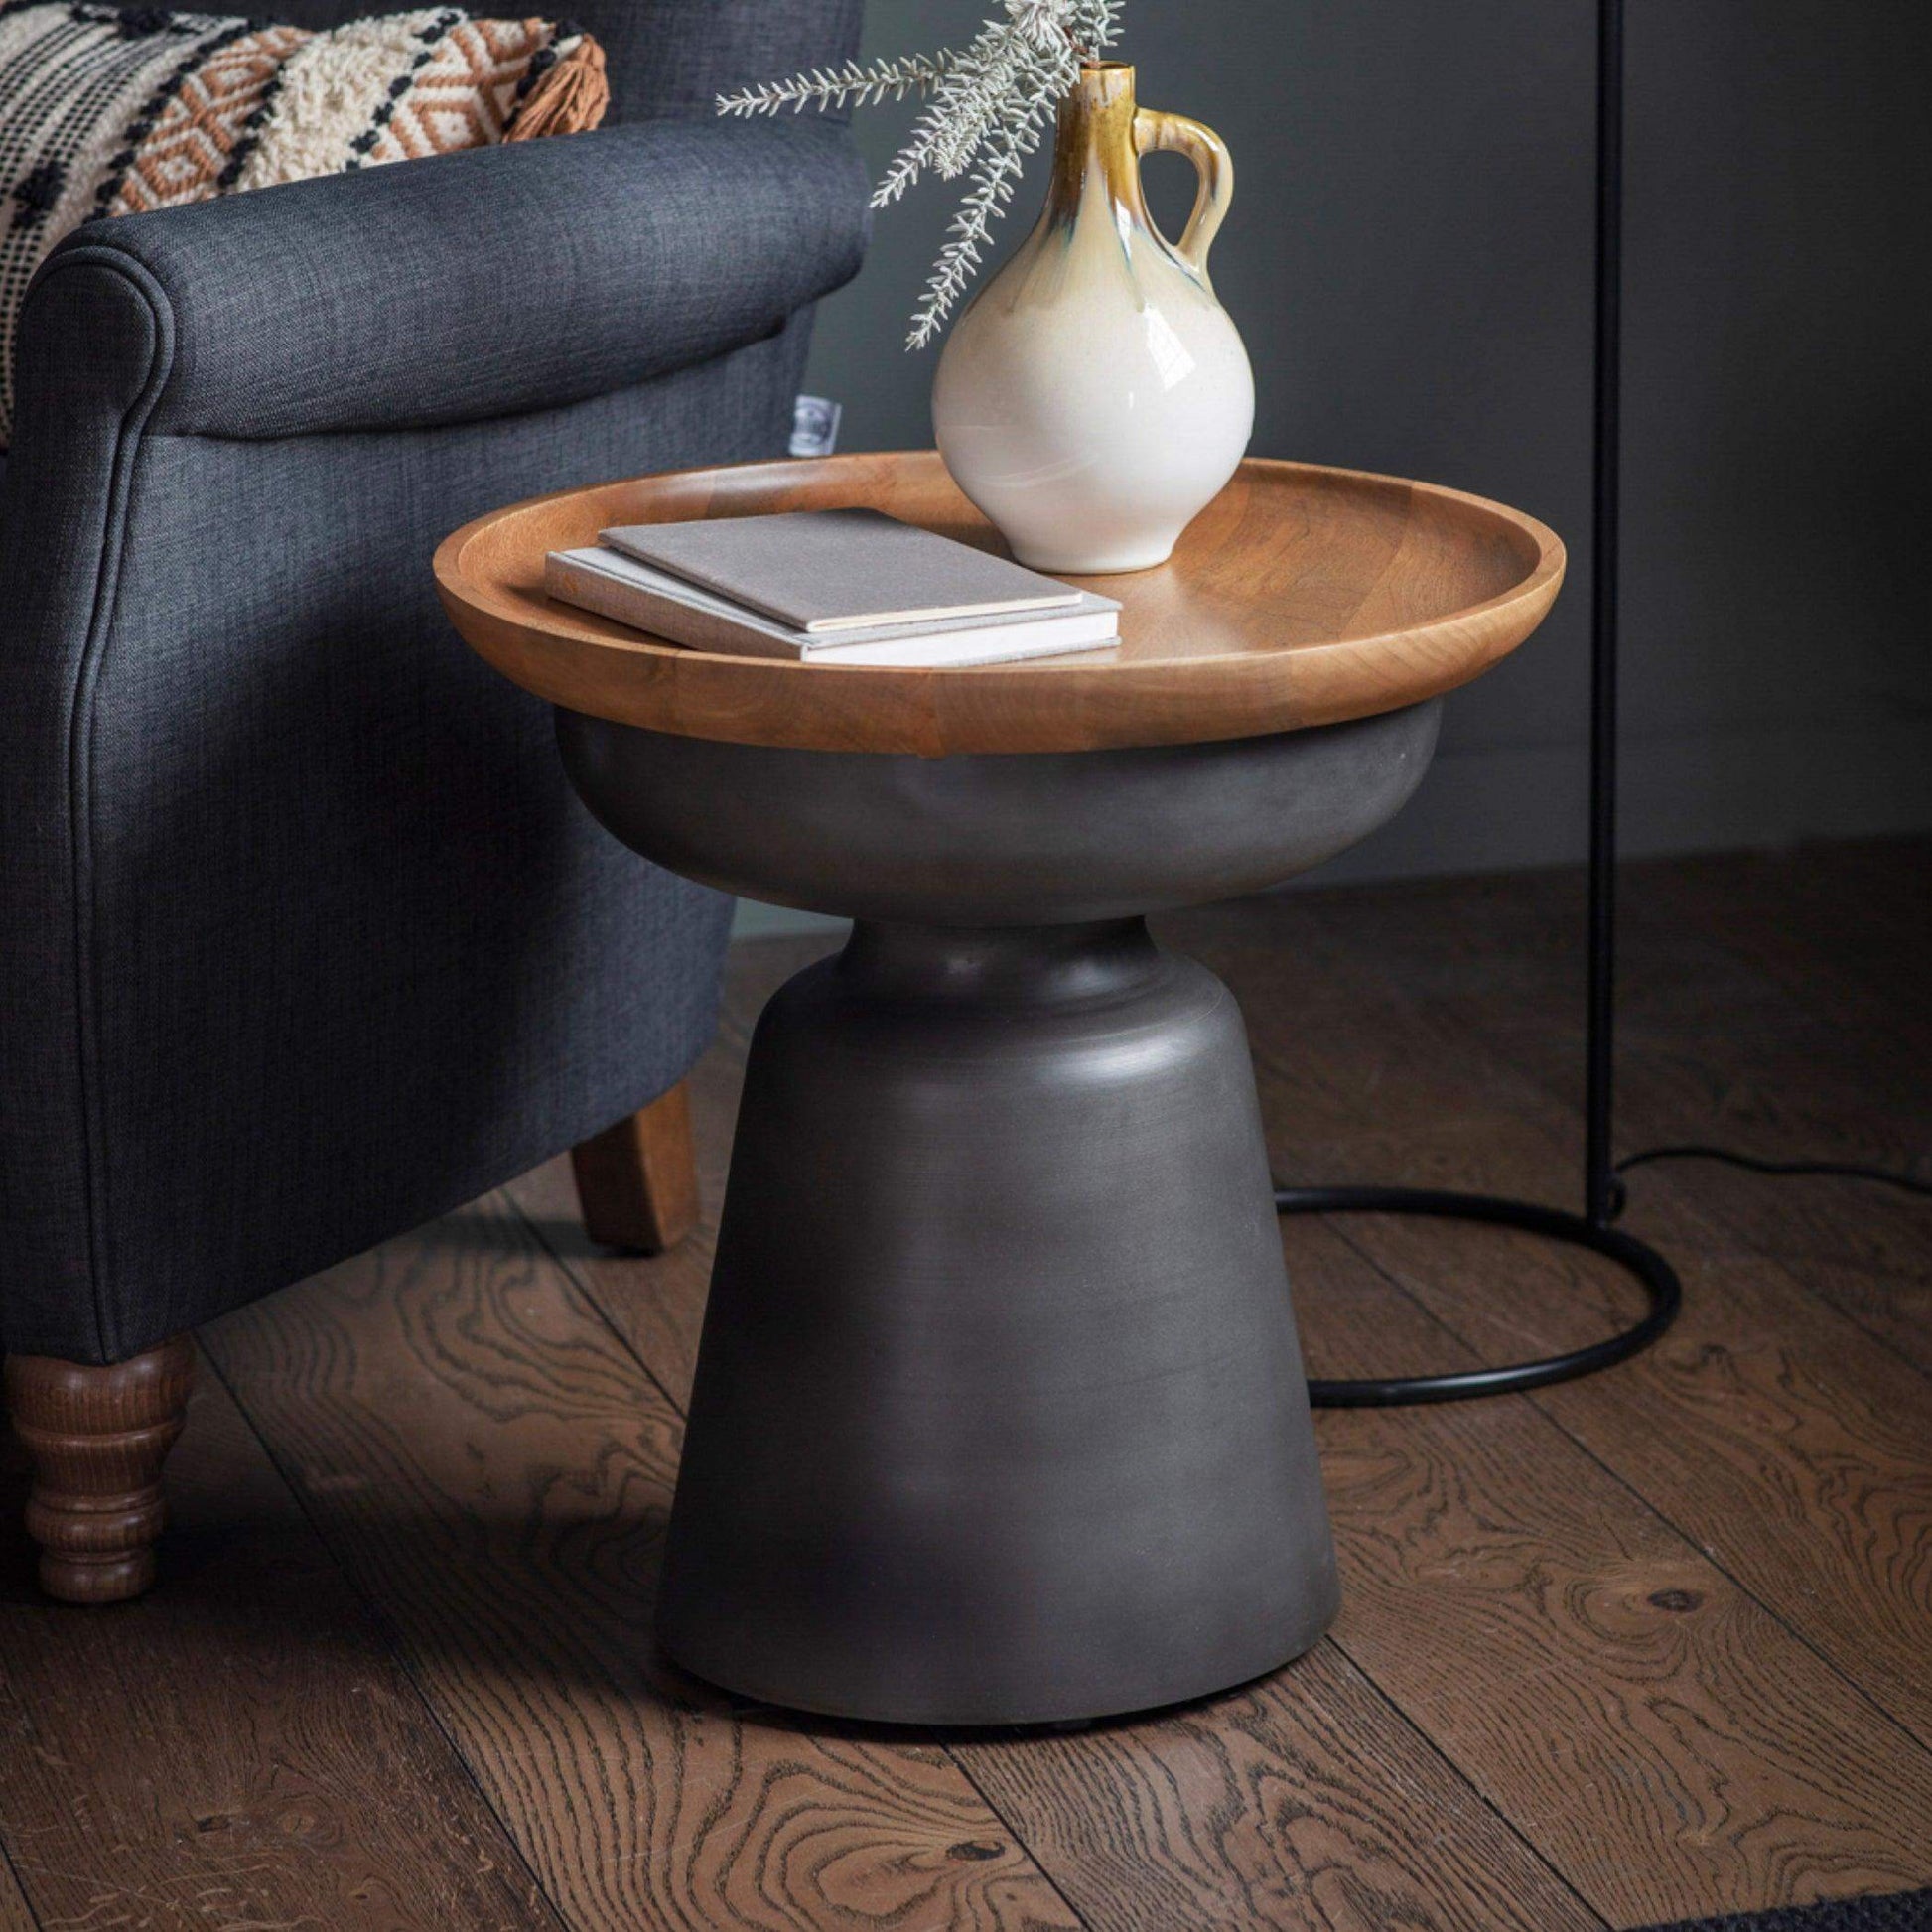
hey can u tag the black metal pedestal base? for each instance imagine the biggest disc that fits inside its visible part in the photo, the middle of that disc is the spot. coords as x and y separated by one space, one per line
999 1413
1385 1392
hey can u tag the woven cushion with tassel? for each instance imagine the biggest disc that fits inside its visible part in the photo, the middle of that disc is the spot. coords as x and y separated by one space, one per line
105 110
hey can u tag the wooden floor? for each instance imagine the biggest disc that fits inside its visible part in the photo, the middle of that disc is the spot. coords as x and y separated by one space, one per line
1654 1644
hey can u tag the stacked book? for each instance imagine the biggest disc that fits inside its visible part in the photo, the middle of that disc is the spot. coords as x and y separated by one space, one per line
836 587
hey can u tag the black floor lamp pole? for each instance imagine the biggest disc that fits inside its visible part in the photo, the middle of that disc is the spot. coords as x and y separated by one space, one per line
1600 1172
1592 1228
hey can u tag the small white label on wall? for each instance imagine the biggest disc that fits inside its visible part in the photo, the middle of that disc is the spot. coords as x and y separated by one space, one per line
815 426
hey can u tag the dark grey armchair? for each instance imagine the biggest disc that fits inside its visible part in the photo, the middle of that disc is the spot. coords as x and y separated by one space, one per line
304 939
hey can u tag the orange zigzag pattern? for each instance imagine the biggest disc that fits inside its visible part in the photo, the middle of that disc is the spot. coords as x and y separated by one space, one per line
464 97
183 158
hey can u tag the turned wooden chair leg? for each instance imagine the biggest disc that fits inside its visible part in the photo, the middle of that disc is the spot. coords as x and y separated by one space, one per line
637 1182
98 1437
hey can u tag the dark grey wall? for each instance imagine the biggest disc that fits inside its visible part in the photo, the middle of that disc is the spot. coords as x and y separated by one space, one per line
1409 261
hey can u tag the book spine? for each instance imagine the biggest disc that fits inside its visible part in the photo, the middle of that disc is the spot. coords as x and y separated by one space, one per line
662 617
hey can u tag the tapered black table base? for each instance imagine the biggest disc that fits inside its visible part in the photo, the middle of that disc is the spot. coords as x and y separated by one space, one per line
1000 1416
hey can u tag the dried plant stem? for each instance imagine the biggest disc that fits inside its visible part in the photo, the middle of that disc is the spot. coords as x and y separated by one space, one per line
987 104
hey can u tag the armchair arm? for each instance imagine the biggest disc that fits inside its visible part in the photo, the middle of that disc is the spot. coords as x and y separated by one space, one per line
478 284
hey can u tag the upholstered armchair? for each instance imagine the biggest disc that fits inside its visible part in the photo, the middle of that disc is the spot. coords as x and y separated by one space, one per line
304 939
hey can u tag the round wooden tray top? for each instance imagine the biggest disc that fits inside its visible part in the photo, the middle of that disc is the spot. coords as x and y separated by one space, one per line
1300 595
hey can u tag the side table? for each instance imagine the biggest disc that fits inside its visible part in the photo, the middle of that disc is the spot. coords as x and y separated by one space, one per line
999 1413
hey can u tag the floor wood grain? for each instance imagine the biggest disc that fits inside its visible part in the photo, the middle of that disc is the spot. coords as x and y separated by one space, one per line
1306 1801
493 1469
15 1914
242 1748
1834 988
1816 986
1648 1645
1775 1432
1583 1648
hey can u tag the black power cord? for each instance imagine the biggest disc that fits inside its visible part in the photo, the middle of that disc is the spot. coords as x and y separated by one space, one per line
1756 1163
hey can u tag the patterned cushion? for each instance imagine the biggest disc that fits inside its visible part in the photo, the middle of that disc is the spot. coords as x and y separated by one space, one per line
108 111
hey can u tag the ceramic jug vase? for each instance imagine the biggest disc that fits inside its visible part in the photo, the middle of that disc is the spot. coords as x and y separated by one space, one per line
1095 395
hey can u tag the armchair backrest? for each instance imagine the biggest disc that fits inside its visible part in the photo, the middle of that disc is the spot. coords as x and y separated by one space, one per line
668 58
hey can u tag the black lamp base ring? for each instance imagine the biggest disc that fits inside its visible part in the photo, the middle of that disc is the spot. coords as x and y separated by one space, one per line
1658 1277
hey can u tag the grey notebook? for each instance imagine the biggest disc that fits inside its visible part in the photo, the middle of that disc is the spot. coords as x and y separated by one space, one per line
836 569
616 586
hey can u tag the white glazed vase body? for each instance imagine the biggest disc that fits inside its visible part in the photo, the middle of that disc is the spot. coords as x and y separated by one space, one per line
1095 396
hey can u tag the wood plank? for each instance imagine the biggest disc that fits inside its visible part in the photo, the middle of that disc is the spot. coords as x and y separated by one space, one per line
1572 1646
1740 1014
494 1470
1655 1733
1301 1802
1306 1801
15 1916
1744 1019
1860 909
1783 1440
1850 1243
16 1570
242 1745
1740 1024
1823 959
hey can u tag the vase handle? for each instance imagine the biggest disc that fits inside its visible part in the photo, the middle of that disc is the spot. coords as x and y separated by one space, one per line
1176 134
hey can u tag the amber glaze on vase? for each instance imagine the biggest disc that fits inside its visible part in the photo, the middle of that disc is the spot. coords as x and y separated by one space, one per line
1095 396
